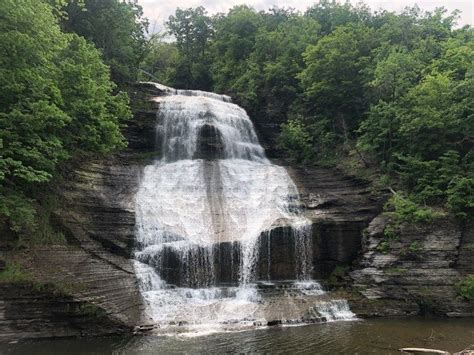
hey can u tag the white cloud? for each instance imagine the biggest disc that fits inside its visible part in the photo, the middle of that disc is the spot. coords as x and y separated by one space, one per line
158 11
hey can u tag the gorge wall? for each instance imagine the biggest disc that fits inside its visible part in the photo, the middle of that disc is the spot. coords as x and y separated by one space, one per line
92 280
416 275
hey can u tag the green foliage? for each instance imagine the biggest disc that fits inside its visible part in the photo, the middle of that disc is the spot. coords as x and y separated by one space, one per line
414 247
90 310
391 231
333 81
465 288
56 101
17 211
115 27
14 273
404 210
296 139
384 246
193 30
390 234
461 197
160 61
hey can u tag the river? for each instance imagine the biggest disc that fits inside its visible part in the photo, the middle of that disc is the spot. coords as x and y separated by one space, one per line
374 336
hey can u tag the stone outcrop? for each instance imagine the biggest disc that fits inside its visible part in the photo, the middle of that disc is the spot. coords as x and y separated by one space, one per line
93 270
28 311
416 275
415 272
340 207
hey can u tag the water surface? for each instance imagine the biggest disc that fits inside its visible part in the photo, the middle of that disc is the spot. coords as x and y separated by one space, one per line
378 336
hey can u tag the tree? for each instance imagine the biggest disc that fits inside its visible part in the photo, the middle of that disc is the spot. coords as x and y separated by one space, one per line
57 101
115 27
233 45
193 31
333 79
161 61
331 14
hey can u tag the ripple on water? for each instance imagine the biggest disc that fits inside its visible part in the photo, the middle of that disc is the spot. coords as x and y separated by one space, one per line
378 336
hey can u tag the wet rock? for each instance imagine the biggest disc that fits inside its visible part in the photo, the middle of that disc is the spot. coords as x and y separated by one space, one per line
29 312
209 145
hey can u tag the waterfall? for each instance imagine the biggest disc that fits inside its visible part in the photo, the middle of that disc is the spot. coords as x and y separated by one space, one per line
202 210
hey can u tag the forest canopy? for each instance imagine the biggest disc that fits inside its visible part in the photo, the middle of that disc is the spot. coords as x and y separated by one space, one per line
395 91
57 100
389 93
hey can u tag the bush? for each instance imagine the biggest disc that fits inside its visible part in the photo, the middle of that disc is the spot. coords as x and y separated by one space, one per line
405 210
461 197
296 140
14 273
57 102
465 288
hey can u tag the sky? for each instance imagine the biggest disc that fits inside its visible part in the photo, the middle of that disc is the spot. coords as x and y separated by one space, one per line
158 11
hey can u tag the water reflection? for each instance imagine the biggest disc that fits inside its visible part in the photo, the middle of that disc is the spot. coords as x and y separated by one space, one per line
382 336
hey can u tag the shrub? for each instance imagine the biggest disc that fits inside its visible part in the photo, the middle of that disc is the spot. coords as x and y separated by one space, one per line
461 197
405 210
465 288
296 140
14 273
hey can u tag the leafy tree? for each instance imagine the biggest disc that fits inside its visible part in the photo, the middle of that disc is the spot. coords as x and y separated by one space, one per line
235 36
331 14
333 81
423 132
161 61
56 102
296 139
193 30
116 27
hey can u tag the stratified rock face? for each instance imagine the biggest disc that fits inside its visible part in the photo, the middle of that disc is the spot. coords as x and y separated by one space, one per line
98 217
340 207
27 312
417 273
399 282
93 269
209 145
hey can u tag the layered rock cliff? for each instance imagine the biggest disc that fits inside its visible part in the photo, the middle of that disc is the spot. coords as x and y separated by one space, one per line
94 273
416 272
92 270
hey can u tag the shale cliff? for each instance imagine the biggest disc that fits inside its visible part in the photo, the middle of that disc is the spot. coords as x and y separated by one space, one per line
87 285
414 274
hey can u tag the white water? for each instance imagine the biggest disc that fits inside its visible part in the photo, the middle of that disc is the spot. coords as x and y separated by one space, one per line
185 207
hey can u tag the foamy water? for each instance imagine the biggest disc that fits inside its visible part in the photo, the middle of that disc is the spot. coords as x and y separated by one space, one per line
187 206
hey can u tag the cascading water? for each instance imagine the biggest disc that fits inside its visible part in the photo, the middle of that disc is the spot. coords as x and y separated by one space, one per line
201 211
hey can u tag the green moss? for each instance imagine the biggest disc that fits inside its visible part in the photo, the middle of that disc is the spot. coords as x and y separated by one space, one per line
391 232
414 247
465 288
45 231
88 310
14 273
384 246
